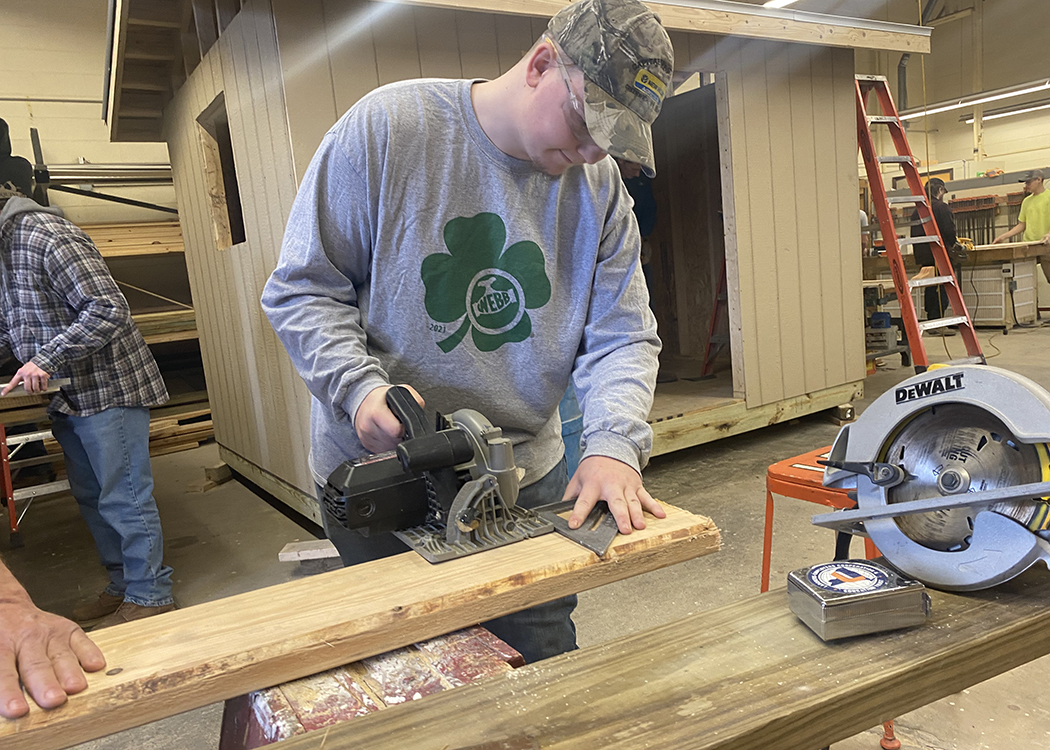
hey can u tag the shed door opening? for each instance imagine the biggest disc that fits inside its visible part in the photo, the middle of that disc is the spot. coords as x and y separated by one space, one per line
688 241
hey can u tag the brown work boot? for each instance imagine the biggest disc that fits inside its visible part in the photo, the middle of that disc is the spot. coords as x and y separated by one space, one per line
93 609
128 611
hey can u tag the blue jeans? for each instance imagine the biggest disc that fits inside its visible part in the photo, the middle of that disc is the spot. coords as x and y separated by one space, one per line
107 460
537 633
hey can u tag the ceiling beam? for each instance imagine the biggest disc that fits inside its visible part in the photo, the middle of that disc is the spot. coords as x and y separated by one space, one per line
736 19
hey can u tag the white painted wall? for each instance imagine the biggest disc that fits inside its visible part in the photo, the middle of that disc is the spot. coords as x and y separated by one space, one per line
997 44
55 49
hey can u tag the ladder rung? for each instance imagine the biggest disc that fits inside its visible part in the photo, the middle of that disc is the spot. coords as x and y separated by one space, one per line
882 119
924 240
40 490
894 159
928 325
897 199
930 281
872 78
969 361
28 437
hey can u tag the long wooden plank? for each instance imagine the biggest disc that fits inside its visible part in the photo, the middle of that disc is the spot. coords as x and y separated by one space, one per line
741 677
188 658
737 19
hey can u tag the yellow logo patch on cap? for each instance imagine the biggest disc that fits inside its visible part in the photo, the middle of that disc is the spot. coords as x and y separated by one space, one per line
650 85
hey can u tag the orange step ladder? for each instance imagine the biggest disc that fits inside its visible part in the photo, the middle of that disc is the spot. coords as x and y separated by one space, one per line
913 327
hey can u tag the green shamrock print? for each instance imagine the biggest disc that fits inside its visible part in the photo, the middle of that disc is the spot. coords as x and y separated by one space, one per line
482 286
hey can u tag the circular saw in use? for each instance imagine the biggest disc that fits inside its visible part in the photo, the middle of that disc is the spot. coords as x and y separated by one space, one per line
951 473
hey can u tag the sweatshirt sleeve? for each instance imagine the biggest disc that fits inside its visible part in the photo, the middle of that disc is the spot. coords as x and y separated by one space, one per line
615 371
312 297
78 275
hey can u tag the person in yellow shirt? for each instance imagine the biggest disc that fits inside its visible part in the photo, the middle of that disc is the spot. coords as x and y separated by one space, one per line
1034 219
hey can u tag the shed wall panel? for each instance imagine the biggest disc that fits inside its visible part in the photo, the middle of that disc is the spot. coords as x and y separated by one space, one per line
260 406
784 262
787 148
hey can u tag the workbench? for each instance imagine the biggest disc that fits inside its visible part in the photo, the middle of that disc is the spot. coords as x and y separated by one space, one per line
986 276
747 676
184 659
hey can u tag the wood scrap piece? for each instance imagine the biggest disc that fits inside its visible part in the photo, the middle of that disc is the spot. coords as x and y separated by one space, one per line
218 473
191 657
401 675
315 549
321 700
502 649
462 660
746 676
256 719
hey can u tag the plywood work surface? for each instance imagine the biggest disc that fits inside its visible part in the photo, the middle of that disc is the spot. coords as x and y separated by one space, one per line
748 676
683 396
188 658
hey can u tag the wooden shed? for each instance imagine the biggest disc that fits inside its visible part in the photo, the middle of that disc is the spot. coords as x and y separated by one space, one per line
757 166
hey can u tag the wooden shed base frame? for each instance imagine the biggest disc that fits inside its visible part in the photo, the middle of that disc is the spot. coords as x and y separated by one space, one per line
689 413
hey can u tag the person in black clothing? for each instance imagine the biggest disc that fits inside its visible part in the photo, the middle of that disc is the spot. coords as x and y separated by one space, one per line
936 297
16 173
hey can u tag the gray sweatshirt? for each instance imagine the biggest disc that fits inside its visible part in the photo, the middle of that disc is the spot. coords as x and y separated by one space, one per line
417 252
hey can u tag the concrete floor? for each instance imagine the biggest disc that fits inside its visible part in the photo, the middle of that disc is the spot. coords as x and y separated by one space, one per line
225 541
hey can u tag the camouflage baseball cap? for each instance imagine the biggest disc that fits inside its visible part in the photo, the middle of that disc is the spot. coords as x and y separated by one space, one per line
627 60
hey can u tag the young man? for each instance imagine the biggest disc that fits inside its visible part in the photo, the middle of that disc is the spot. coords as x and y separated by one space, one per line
429 195
1034 219
62 315
46 653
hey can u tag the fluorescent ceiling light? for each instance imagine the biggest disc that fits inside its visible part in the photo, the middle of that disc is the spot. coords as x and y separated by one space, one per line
778 3
975 99
1022 109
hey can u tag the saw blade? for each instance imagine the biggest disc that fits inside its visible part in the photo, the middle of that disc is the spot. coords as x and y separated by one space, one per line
954 448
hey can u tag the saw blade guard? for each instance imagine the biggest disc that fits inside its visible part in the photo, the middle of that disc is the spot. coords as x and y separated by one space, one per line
953 430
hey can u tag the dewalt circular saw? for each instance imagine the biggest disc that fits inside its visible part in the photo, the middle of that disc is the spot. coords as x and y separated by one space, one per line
951 473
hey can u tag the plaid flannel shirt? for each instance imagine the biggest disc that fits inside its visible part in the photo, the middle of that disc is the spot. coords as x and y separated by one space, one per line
61 309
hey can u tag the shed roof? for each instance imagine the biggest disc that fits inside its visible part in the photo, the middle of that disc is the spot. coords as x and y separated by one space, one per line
156 44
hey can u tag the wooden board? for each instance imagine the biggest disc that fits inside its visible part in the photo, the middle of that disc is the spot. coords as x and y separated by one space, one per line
144 238
741 677
737 19
188 658
1005 252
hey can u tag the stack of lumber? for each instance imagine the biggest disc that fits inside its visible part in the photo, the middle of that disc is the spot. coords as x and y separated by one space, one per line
170 325
181 424
143 238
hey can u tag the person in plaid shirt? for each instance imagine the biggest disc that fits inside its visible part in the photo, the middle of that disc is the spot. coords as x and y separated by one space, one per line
62 315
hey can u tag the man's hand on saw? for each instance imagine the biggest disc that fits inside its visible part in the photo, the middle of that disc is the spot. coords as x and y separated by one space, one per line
376 426
619 485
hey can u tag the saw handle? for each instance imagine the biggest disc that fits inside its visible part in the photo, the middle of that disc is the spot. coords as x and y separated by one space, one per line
408 411
424 448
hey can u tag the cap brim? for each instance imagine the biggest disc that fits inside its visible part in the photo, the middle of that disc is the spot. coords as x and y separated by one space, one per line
617 130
